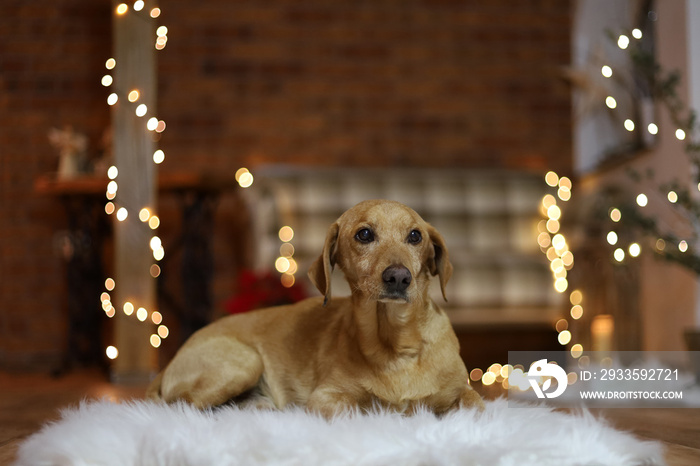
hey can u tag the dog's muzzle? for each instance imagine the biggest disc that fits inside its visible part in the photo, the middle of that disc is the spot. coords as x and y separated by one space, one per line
396 280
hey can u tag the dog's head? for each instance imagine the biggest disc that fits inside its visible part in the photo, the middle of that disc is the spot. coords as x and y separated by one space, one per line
387 252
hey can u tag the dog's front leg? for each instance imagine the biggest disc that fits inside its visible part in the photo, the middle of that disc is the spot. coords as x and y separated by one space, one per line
330 402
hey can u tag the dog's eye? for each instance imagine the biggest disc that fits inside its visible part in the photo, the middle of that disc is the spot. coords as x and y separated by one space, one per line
365 235
415 237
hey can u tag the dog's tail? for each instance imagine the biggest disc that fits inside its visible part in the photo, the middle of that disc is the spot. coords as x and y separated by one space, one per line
153 390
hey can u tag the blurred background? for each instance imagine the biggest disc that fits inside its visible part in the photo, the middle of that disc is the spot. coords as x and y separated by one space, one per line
263 121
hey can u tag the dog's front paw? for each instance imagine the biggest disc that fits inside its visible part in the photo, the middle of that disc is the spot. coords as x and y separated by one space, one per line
471 399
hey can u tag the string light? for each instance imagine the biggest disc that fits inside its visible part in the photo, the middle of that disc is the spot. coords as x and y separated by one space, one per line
244 177
145 214
623 41
158 156
642 200
112 352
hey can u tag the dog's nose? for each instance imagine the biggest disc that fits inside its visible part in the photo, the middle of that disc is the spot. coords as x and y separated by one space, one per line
396 278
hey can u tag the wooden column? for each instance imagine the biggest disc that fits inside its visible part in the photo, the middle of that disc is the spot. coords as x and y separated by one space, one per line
133 146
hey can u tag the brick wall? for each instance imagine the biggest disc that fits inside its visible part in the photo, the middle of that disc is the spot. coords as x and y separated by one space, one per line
358 83
421 83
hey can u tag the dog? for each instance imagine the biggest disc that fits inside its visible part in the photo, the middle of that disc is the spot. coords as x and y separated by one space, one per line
387 345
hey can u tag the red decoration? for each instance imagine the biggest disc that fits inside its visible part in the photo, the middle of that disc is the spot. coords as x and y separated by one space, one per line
259 290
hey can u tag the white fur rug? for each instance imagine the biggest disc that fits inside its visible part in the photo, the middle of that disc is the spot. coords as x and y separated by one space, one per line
142 433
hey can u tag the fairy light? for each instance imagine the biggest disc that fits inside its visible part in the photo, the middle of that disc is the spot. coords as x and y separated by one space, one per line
672 197
623 41
554 245
680 134
642 200
122 214
634 249
629 125
611 238
619 254
112 352
158 157
615 214
653 129
145 214
610 102
244 177
606 71
110 284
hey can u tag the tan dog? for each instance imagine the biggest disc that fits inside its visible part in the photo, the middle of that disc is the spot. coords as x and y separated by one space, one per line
385 345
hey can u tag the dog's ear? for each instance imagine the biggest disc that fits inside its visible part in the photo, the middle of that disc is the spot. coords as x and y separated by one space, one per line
439 263
320 270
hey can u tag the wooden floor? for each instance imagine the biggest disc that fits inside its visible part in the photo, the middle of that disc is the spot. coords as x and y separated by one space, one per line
28 401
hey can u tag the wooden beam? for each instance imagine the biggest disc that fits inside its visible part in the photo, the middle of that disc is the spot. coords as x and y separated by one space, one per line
133 146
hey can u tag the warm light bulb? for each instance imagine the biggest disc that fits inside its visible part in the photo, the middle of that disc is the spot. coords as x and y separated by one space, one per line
158 156
635 249
122 214
110 63
637 33
286 234
110 284
112 99
642 200
615 215
606 71
153 222
245 180
623 41
610 102
564 337
629 125
653 129
619 254
112 172
107 80
122 8
551 178
141 110
112 352
680 134
133 96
